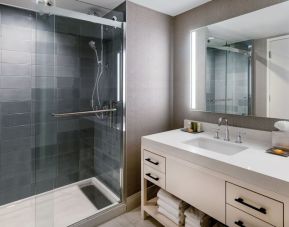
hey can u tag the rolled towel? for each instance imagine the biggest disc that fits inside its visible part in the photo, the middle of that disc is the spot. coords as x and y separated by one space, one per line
178 221
282 126
189 225
193 214
171 200
207 221
219 225
194 223
173 211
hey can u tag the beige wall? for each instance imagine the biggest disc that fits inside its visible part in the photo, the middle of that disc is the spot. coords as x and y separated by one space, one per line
149 77
212 12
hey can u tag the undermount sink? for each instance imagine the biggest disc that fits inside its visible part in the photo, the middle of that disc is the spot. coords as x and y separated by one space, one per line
216 146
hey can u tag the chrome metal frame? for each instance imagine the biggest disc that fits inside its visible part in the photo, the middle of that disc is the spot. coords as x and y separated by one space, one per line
124 91
76 15
102 216
84 113
54 10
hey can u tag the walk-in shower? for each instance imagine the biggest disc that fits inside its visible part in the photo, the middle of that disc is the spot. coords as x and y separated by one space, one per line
229 77
62 117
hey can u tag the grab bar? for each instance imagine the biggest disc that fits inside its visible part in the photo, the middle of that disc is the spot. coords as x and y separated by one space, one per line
75 114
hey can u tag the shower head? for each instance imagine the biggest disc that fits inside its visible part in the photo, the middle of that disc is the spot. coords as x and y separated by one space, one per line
92 45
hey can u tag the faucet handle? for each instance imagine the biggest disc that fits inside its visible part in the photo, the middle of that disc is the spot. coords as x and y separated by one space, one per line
217 133
220 120
239 136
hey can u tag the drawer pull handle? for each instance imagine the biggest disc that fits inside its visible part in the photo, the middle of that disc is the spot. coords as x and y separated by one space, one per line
261 209
152 162
154 178
240 223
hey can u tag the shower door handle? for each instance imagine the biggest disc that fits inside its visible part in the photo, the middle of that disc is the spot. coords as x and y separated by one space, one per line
84 113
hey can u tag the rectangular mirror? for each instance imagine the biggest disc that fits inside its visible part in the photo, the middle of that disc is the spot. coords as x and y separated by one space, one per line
241 65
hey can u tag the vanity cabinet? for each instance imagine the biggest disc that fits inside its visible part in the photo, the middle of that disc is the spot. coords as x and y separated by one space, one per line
154 161
236 217
215 194
255 204
155 177
199 189
154 168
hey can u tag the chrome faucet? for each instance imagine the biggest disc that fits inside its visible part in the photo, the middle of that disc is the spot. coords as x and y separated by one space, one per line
220 122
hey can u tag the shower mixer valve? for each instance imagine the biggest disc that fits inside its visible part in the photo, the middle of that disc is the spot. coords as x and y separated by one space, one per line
45 2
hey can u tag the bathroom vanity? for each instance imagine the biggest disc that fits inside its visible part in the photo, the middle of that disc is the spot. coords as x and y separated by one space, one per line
239 184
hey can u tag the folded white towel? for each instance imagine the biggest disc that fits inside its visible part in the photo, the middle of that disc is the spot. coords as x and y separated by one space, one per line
219 225
194 223
190 225
193 214
173 211
206 220
282 125
193 220
178 221
171 200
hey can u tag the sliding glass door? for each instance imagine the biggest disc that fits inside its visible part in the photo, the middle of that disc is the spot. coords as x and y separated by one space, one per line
79 118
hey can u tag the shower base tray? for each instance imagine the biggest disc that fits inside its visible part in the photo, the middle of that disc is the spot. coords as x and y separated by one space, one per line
60 207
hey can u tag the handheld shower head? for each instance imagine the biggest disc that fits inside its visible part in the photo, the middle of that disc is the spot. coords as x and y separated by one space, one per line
92 45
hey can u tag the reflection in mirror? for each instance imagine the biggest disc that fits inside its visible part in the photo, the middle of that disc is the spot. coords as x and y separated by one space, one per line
240 66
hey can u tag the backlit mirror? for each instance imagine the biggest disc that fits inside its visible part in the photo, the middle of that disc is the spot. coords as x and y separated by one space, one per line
241 65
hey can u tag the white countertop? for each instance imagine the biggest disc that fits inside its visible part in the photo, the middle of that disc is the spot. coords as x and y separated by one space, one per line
253 164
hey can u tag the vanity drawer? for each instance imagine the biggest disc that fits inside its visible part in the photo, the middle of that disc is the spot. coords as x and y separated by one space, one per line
154 176
238 218
155 161
262 207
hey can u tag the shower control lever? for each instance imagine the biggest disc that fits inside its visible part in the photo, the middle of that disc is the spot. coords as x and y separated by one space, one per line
220 122
217 136
239 137
84 113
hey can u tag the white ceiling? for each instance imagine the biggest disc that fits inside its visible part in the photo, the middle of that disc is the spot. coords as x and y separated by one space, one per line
268 22
170 7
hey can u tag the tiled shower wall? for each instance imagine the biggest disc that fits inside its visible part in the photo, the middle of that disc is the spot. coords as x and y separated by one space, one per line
44 72
228 82
17 46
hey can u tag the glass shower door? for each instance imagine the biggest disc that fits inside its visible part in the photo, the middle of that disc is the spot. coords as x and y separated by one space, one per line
238 83
78 101
228 79
45 126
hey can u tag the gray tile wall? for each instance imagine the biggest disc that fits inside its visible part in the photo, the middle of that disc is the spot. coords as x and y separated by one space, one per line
16 151
44 72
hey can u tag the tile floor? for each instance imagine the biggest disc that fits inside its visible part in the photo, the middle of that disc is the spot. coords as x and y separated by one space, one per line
131 219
